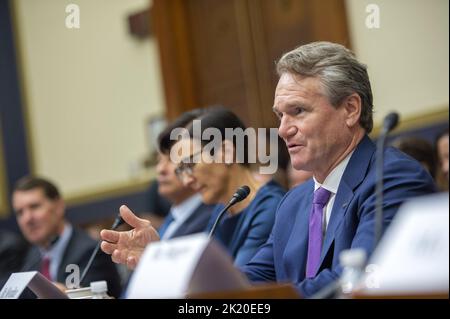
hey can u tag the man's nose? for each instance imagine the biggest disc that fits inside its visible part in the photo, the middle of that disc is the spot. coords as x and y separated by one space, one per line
161 167
187 180
26 216
286 128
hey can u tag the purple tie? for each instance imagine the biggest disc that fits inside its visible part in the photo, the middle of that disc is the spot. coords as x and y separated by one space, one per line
321 196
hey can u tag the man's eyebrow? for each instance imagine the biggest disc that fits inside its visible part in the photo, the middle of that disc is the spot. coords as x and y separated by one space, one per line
289 106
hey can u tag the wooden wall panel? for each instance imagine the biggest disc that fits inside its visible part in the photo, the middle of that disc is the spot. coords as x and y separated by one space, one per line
227 49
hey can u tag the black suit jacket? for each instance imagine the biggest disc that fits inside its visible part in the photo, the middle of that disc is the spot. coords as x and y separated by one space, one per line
12 253
78 251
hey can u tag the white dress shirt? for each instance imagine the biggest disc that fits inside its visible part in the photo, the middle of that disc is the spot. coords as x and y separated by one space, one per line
181 213
331 183
56 251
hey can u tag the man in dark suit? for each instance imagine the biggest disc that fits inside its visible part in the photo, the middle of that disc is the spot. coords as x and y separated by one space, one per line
55 243
324 103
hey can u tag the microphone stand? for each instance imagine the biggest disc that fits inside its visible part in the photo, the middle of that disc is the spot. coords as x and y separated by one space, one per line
390 121
241 193
211 233
117 222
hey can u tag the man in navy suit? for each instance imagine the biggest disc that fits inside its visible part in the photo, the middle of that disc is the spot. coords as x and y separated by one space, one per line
324 103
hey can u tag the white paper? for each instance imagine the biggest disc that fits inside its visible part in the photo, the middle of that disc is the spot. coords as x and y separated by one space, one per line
41 286
172 268
413 256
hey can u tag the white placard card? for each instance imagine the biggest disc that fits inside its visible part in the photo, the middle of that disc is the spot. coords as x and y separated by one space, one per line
413 255
41 286
189 264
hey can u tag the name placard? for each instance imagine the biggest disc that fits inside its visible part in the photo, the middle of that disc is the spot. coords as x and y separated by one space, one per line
41 286
413 255
189 264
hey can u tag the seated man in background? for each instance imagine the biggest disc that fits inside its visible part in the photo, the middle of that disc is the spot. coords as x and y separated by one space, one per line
158 205
188 215
55 243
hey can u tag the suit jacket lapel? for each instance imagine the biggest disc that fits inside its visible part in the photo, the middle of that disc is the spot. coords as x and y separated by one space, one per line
65 258
32 260
353 176
190 223
343 197
296 251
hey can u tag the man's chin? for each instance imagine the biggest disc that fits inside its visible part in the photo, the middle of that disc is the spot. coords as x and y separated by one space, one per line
166 192
36 240
298 165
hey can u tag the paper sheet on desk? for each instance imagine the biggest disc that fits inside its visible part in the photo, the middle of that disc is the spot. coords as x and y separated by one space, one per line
41 286
190 264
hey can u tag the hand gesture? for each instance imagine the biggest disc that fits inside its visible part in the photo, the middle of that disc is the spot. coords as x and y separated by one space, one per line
126 247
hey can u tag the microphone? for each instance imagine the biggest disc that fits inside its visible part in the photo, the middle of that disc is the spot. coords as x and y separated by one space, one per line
240 194
389 123
117 222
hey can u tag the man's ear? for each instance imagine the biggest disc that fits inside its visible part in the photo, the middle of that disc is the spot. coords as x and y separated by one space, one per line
228 152
352 106
60 207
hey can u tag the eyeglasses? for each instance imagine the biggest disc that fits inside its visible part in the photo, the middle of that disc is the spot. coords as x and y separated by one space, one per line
186 167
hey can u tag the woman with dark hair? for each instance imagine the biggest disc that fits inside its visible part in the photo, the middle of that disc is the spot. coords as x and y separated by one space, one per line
213 158
216 164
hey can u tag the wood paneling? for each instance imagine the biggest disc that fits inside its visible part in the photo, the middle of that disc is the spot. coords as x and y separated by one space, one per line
224 51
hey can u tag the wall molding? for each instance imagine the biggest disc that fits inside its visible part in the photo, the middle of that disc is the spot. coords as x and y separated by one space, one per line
113 191
438 114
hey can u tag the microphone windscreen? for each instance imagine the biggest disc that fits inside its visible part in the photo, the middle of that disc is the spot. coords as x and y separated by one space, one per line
241 193
390 121
117 222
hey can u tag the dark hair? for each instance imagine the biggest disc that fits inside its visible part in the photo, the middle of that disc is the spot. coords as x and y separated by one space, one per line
164 141
30 182
221 118
419 149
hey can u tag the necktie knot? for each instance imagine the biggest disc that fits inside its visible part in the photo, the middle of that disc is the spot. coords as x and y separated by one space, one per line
321 196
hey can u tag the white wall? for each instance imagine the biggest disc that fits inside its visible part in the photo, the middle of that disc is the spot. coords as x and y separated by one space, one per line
407 56
88 91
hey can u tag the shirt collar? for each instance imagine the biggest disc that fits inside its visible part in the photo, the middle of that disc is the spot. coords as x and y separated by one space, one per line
331 182
60 245
186 208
